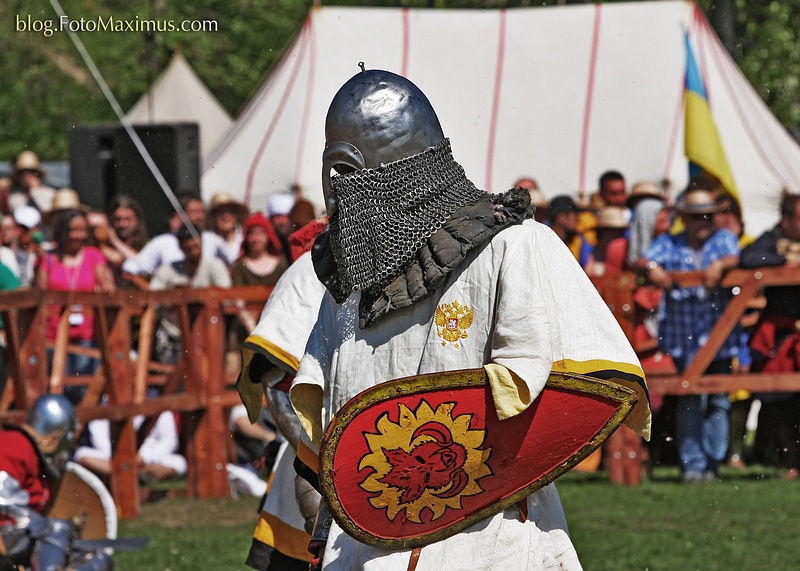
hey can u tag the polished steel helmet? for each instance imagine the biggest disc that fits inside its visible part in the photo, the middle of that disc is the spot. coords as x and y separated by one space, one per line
52 423
376 118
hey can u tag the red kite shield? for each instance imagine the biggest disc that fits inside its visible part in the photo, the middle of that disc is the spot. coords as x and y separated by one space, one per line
416 460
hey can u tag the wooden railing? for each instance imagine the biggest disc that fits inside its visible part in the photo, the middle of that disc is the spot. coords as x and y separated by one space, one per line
618 292
197 387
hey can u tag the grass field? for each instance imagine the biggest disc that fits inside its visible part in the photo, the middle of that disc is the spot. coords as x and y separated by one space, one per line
748 521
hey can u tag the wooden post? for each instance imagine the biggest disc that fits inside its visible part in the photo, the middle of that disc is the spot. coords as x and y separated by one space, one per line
211 436
114 336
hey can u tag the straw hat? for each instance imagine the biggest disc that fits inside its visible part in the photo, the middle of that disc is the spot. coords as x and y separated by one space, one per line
612 217
645 189
699 202
224 199
64 199
537 198
27 161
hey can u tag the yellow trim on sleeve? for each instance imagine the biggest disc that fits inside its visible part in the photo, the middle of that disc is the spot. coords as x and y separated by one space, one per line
629 375
271 349
283 537
251 393
511 394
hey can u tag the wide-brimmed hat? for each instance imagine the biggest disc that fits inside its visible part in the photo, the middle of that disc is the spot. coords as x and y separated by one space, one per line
224 199
64 199
699 202
645 189
27 161
612 217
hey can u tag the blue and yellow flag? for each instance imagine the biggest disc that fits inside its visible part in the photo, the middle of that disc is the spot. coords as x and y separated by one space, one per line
702 144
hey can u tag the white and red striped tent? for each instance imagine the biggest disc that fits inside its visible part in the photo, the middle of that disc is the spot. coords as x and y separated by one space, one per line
558 93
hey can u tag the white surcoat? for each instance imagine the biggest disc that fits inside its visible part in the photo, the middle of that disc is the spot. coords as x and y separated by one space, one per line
532 310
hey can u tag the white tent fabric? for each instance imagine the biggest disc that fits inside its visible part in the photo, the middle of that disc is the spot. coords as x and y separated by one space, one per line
558 93
179 95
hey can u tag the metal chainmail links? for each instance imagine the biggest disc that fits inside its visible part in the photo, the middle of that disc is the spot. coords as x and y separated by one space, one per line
384 215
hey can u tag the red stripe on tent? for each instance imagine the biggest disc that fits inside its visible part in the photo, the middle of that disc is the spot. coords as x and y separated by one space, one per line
587 113
312 65
406 28
278 113
744 119
498 82
251 107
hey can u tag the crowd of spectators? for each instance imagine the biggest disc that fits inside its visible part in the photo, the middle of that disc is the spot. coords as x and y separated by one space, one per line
49 239
702 230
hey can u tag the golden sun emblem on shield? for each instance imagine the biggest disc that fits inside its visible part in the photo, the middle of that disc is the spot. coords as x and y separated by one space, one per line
452 321
426 462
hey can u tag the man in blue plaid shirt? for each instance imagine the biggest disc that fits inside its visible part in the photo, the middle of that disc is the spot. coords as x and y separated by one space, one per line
686 318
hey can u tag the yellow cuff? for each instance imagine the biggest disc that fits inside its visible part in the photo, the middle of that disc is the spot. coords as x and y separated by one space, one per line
307 403
251 393
510 393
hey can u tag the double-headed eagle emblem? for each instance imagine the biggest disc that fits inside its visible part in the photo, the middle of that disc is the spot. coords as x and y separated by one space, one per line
452 321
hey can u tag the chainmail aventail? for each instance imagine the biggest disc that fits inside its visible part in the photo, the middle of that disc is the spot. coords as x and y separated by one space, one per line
385 214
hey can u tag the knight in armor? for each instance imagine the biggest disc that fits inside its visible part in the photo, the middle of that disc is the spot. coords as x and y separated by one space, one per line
36 452
426 273
33 457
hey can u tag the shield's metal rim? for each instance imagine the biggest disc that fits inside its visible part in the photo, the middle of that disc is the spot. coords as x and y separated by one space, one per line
626 398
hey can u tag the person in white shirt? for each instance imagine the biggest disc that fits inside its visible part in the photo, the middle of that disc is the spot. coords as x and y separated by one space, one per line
156 459
165 249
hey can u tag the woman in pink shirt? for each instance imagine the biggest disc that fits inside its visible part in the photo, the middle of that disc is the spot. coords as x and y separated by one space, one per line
74 266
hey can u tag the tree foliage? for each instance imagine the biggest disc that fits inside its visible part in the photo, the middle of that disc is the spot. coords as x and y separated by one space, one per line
45 87
768 52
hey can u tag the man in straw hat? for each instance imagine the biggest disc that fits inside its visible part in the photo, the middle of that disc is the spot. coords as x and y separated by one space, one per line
687 316
608 256
227 215
29 187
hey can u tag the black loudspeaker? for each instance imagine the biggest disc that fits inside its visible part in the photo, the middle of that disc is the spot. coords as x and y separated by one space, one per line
105 162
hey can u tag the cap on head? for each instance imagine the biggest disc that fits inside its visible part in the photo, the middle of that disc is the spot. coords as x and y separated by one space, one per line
560 205
376 117
280 203
27 216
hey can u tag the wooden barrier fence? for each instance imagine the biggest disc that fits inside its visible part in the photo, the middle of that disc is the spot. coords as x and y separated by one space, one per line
618 292
197 387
